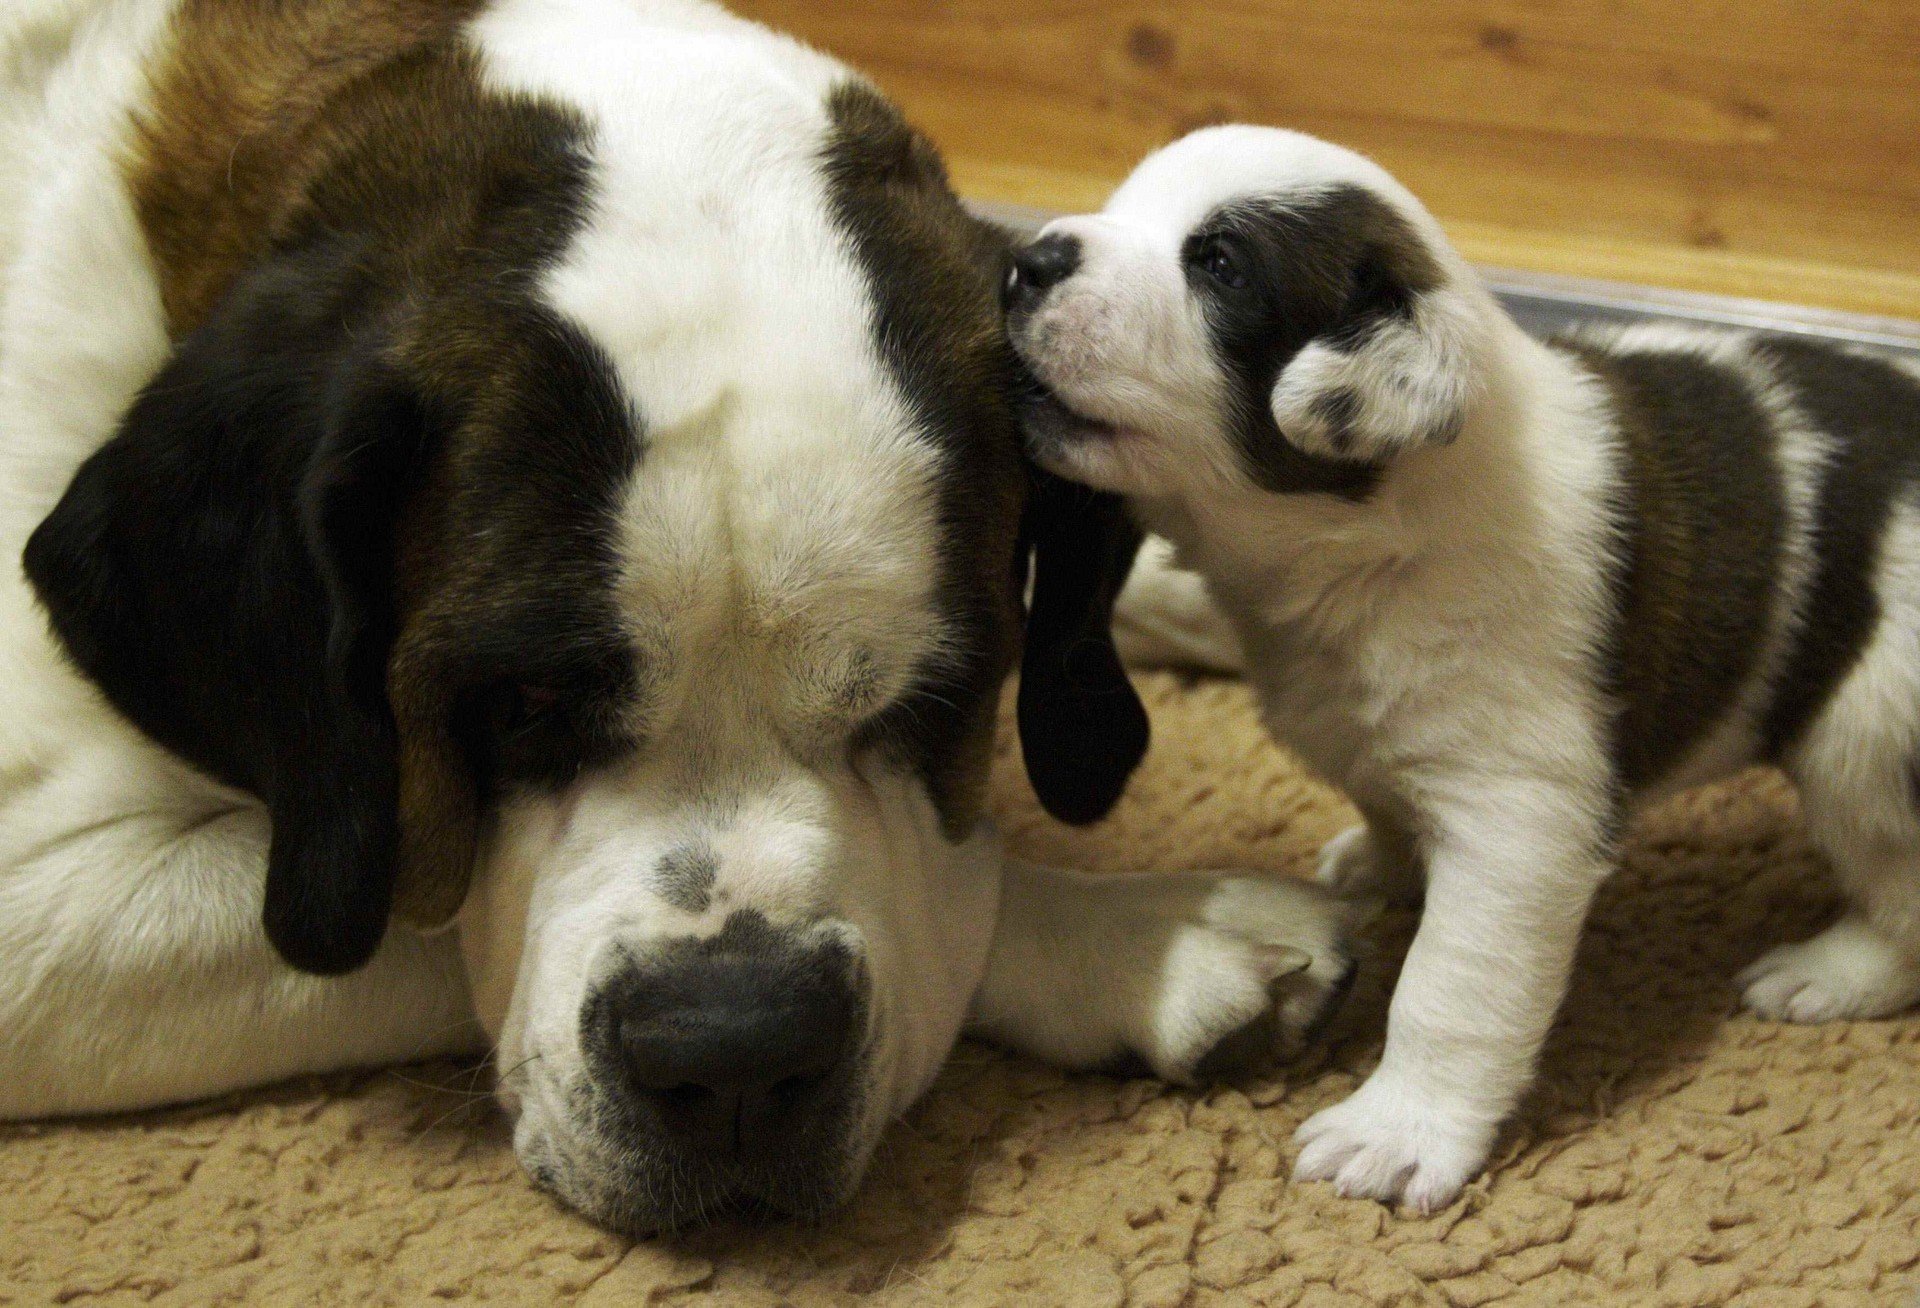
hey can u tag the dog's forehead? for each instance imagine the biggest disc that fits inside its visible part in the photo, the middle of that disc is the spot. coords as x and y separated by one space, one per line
1177 188
707 268
799 432
825 556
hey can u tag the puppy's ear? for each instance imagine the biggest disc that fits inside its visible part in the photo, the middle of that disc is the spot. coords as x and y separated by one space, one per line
1394 369
1082 728
222 568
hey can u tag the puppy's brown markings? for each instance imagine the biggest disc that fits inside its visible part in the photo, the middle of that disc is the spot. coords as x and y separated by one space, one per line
1705 524
1873 408
485 552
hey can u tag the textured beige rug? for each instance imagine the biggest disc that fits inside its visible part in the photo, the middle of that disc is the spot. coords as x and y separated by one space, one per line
1675 1153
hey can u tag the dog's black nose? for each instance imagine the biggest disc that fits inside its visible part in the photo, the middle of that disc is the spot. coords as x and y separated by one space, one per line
732 1054
1039 267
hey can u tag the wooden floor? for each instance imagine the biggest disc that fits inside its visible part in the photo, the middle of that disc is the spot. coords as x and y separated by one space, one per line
1766 148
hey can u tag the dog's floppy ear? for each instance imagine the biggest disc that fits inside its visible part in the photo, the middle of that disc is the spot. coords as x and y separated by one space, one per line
1082 728
222 568
1393 370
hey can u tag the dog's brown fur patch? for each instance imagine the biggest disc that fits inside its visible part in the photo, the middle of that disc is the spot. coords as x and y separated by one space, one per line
244 117
363 126
935 273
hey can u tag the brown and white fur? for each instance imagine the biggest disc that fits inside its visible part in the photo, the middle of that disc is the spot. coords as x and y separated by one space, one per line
546 466
1498 589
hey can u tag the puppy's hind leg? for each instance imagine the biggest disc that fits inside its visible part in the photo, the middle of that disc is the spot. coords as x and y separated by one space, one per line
1194 975
1867 964
1860 791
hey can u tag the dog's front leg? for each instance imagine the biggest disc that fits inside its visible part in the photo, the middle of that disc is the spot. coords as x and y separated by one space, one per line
1511 872
1193 974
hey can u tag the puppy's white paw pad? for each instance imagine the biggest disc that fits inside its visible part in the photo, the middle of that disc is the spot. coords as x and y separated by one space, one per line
1385 1143
1849 971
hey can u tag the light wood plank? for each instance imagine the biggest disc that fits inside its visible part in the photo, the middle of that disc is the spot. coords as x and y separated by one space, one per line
1768 148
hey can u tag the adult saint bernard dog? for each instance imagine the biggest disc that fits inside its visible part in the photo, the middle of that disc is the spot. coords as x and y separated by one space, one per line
548 468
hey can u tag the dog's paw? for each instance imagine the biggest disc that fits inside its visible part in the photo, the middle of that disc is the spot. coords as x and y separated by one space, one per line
1251 975
1396 1143
1193 976
1850 970
1354 865
1165 618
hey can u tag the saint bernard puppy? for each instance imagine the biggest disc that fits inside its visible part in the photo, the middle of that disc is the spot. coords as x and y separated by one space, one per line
546 468
1497 589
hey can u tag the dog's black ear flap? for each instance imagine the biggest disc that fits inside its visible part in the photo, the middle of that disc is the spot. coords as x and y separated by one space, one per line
220 569
1082 727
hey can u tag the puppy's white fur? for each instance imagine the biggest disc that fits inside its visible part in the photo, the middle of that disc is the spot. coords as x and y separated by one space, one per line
1436 646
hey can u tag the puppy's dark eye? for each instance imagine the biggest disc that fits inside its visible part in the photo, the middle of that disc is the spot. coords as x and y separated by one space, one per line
1216 258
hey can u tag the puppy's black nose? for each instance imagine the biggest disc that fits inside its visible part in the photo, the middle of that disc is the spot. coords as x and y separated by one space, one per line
732 1054
1039 267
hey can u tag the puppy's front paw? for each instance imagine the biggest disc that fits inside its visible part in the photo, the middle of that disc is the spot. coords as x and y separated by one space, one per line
1396 1143
1850 970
